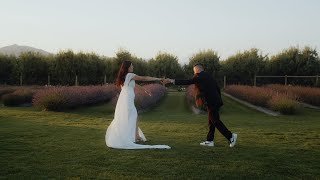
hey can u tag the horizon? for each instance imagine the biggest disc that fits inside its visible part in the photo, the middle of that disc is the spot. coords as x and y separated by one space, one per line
147 59
145 28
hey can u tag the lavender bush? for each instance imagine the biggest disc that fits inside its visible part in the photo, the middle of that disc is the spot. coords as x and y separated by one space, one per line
310 95
4 91
142 100
286 103
61 98
18 97
17 90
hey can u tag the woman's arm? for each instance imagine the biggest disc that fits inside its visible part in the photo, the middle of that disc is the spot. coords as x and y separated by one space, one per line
145 78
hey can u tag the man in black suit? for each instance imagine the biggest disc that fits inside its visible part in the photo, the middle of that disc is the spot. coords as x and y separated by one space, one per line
210 92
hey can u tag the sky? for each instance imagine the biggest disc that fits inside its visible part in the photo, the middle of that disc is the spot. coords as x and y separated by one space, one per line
147 27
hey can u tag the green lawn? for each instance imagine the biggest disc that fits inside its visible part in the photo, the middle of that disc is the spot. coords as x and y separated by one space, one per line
71 145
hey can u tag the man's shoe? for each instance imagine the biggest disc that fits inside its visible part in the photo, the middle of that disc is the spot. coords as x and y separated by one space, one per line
207 143
233 140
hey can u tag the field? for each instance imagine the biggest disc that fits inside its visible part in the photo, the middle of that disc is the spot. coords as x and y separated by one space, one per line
70 145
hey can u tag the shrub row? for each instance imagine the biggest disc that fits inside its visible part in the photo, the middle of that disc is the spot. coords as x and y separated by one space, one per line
142 100
308 95
261 96
17 95
62 98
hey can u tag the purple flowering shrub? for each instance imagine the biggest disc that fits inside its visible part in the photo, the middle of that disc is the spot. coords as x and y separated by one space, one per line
4 91
18 97
268 97
61 98
310 95
18 94
143 100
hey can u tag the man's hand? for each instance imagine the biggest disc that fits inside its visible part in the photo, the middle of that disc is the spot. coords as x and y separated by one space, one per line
167 81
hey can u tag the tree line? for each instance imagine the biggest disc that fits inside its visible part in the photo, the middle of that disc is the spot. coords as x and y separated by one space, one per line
92 69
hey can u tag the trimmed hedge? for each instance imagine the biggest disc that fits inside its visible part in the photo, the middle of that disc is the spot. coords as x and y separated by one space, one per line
142 100
308 95
62 98
18 97
261 96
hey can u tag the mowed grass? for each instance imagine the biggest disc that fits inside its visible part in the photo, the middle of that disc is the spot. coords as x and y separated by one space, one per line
70 145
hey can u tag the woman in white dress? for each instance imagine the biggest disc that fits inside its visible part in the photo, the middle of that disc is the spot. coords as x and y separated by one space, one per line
123 132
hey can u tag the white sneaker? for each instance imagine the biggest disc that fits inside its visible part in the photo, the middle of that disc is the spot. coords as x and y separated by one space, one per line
207 143
233 140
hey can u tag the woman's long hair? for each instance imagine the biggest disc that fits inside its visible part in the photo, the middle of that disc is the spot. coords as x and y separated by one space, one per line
199 99
123 71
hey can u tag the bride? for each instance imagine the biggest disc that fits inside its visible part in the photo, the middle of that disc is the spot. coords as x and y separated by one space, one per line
123 132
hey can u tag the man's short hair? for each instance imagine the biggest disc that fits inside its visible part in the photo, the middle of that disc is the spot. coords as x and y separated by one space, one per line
198 65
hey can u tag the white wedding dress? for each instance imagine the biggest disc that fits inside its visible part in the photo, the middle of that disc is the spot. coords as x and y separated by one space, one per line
121 132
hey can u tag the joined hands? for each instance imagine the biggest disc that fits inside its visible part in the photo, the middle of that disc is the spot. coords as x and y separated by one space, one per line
165 81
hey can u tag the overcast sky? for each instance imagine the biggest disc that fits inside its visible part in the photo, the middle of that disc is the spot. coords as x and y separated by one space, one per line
145 27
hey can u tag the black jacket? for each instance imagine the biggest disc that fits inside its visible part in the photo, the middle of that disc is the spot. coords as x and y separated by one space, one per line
207 86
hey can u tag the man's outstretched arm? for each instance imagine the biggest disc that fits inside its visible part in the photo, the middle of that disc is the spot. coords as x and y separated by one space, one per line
183 81
180 81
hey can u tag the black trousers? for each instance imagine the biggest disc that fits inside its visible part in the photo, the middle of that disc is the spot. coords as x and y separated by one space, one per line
215 122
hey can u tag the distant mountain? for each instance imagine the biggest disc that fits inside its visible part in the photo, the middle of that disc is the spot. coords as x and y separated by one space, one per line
17 50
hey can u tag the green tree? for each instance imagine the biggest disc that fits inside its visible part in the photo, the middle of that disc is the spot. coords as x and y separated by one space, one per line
65 68
140 65
293 61
165 65
7 67
209 59
243 66
33 67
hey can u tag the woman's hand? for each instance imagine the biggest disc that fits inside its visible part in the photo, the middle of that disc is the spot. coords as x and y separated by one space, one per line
145 78
167 81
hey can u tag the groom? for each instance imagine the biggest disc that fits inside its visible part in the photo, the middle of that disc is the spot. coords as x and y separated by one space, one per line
208 88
